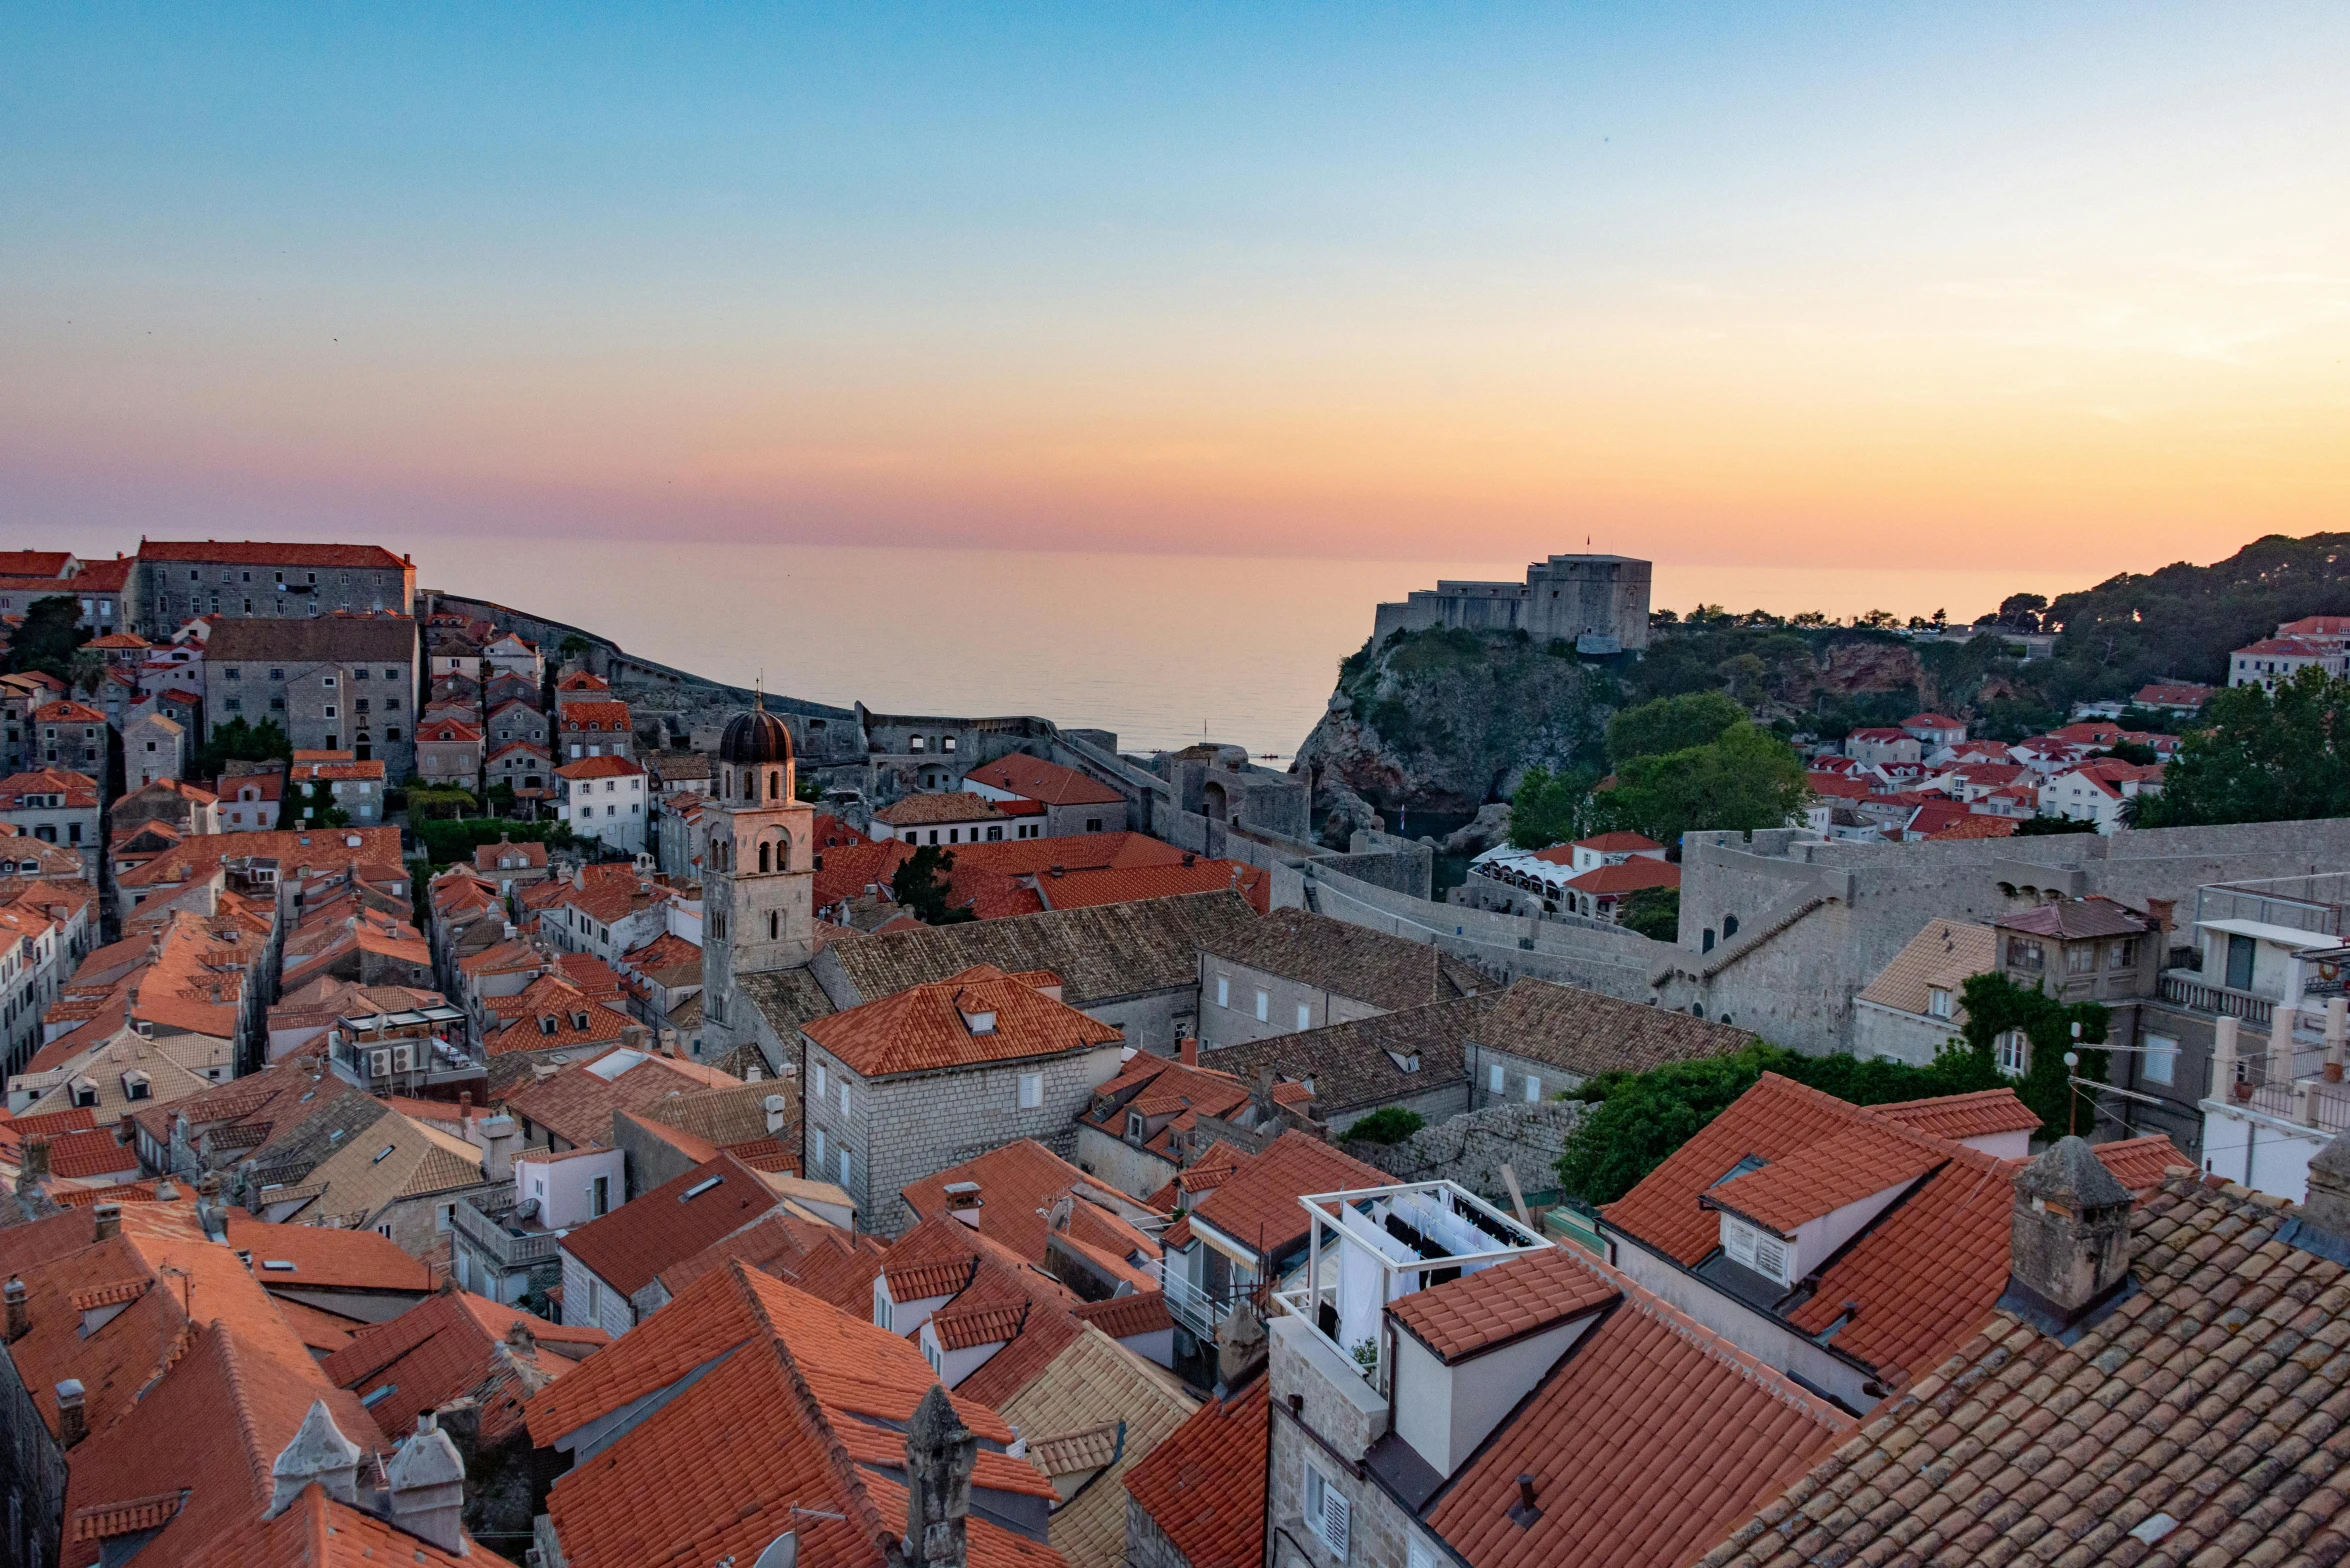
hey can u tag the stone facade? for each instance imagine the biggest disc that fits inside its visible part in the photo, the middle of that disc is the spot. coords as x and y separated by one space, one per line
1238 1003
333 685
1340 1417
589 1302
1147 1545
899 1129
1597 602
154 746
175 581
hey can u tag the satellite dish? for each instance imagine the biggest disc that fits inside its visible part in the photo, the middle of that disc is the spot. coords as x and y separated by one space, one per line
782 1552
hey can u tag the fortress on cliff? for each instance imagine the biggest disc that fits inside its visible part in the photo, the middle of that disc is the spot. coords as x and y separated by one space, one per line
1597 602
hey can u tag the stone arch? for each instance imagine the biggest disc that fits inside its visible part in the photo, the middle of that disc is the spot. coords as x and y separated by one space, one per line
1729 927
762 857
1213 802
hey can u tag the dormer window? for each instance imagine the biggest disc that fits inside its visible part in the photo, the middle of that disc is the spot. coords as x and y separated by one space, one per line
547 1024
1757 1249
1134 1126
1938 1002
980 1023
579 1020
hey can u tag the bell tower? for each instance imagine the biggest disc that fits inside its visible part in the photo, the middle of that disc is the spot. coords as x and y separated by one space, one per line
759 877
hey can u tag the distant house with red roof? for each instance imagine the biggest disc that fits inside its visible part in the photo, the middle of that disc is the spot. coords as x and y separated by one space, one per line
1883 743
2182 698
603 798
1934 731
1073 802
2097 791
181 578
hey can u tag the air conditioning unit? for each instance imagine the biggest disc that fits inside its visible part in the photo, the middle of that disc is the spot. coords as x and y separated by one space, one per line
379 1063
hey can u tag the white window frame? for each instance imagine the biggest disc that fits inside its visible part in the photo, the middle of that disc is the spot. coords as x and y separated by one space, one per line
816 1146
1533 1088
1031 1091
2162 1059
1305 1015
843 1156
1264 1005
1223 990
1328 1512
1497 1079
820 1084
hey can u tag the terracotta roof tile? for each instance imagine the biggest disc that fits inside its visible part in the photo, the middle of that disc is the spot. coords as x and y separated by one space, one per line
1959 1117
446 1346
1651 1437
1348 960
1204 1487
1812 1182
1126 1317
628 1248
927 1028
1017 1183
1257 1204
1494 1306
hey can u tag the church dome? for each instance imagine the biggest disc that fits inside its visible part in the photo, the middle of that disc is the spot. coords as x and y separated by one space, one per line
756 737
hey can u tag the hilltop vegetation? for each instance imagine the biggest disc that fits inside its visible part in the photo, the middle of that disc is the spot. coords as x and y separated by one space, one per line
1449 719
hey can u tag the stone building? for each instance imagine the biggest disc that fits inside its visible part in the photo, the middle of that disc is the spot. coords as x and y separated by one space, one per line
1296 970
176 580
603 798
758 878
1599 603
449 752
906 1086
154 746
594 729
1070 801
337 683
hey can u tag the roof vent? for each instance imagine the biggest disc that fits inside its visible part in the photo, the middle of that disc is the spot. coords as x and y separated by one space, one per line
1525 1513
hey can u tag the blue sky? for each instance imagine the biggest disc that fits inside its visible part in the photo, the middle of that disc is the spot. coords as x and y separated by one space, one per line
1369 282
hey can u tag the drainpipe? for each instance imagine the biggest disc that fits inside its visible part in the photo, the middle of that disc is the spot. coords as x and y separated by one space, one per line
2337 1026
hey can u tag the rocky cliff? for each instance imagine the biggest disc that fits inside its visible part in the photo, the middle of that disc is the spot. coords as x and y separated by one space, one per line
1447 720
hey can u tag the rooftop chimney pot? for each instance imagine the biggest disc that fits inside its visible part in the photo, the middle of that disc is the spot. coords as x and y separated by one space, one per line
2069 1240
73 1422
941 1453
107 1218
20 1316
424 1486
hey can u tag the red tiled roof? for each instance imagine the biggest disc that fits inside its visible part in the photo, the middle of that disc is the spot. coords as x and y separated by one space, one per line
916 810
2140 1164
1257 1204
1630 877
1645 1446
1932 721
599 768
628 1248
611 716
1815 1181
1204 1486
1033 778
1016 1182
325 1258
1126 884
1124 1317
927 1028
443 1347
1494 1306
249 552
1617 843
1959 1117
81 1155
1976 825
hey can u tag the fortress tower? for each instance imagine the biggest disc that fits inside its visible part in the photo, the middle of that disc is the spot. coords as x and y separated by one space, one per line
1599 603
758 885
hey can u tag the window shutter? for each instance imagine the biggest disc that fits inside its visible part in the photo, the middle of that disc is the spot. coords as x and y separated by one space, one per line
1335 1512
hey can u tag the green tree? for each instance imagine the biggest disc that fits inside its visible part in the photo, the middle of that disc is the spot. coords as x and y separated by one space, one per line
921 888
2267 757
1747 779
51 633
1996 1005
426 802
1636 1120
1547 807
806 788
238 741
1388 1124
1670 724
1654 912
313 806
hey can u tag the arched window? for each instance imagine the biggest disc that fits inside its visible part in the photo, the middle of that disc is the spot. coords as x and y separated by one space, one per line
775 784
1729 927
762 857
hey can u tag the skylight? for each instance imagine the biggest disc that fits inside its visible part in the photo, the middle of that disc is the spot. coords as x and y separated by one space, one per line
698 1188
375 1397
383 1154
283 1266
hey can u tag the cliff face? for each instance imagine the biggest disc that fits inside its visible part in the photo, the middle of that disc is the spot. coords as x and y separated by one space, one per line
1447 720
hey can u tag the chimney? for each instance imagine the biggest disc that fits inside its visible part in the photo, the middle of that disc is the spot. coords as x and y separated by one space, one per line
2327 1207
465 1113
2337 1026
2223 1062
940 1455
1525 1513
33 1167
1240 1347
1187 1050
20 1314
424 1486
668 1045
2069 1240
500 1140
73 1423
108 1221
2159 910
319 1452
963 1202
774 1105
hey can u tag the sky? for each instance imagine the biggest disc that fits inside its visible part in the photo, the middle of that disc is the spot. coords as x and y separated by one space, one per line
1818 286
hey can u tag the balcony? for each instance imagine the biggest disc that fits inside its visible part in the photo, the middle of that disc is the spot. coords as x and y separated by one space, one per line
496 1235
1373 1245
1200 1312
2187 988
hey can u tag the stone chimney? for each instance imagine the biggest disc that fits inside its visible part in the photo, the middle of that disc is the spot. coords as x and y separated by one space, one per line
1187 1050
20 1312
424 1486
1240 1346
73 1422
106 1221
940 1455
319 1452
775 1106
500 1139
964 1202
33 1166
2069 1240
2327 1207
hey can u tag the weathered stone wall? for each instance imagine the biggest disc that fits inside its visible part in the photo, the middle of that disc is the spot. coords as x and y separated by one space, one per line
1609 959
1472 1148
899 1130
1816 921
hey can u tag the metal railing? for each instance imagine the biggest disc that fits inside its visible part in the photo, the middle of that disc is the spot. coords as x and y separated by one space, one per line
2309 903
1192 1306
2194 994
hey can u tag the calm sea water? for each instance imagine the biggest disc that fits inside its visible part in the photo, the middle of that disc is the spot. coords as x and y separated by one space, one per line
1163 649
